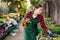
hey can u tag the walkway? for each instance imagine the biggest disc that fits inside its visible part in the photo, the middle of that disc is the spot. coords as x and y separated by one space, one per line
19 35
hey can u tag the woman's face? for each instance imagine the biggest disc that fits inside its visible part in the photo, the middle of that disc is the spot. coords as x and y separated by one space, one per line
39 10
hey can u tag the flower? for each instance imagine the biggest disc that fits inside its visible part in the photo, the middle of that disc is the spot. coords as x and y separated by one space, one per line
24 24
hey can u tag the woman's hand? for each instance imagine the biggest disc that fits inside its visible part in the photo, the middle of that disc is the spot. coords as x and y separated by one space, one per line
50 33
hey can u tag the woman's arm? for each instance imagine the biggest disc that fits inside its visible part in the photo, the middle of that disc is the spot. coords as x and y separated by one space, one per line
41 21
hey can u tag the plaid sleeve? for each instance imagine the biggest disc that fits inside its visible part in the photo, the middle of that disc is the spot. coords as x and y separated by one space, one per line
27 15
41 21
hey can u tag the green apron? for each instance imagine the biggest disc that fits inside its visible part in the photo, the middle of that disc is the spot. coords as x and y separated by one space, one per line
31 30
11 28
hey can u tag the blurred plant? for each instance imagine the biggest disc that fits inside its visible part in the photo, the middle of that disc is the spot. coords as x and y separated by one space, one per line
33 2
52 27
23 6
20 4
47 19
16 18
4 7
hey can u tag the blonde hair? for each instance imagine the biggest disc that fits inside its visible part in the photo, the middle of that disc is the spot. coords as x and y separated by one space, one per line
9 16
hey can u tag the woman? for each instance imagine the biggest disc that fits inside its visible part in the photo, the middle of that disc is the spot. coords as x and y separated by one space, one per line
12 25
31 29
